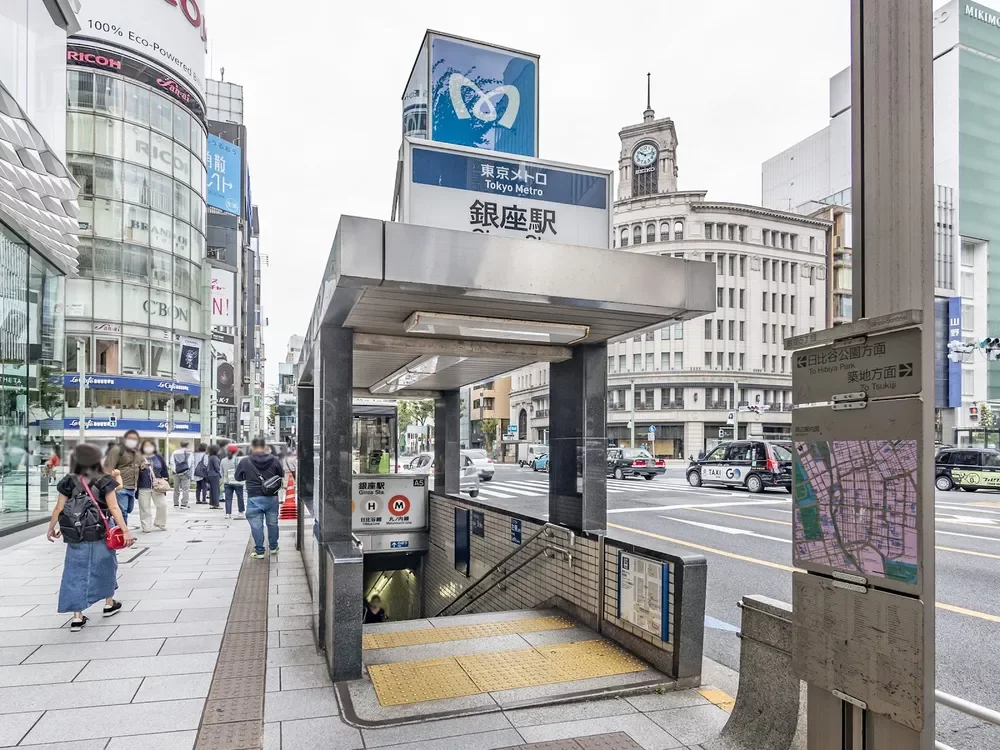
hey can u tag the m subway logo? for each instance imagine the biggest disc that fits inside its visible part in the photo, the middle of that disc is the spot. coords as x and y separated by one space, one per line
484 104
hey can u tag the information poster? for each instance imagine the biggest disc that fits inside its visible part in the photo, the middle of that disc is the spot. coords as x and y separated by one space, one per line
643 593
388 502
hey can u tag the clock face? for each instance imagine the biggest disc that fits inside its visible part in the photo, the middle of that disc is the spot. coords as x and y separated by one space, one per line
644 155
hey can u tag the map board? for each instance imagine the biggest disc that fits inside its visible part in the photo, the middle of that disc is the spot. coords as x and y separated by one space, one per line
865 643
644 593
855 492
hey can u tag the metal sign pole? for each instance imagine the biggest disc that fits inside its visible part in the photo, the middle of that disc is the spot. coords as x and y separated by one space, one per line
864 610
81 352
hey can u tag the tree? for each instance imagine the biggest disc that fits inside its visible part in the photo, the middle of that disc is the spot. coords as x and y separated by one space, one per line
987 417
488 426
412 412
49 395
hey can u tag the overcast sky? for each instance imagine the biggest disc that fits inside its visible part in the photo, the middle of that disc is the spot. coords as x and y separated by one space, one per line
322 81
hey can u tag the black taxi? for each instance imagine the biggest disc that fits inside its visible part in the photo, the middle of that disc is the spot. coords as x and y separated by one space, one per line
968 468
754 464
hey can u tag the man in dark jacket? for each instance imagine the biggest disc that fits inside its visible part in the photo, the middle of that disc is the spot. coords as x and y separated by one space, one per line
125 457
262 500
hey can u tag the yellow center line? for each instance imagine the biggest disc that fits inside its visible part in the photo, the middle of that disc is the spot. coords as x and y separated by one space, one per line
788 568
969 552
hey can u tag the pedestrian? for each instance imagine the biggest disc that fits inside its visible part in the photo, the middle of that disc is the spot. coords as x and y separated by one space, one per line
181 460
153 486
230 485
374 611
90 569
261 471
213 473
200 486
126 458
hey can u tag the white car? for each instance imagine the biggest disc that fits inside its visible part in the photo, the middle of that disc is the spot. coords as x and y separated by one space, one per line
423 463
484 464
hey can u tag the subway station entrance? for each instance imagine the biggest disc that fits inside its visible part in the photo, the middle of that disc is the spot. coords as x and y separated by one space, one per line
407 311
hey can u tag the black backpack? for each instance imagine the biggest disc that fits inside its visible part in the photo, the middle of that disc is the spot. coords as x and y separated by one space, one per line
81 519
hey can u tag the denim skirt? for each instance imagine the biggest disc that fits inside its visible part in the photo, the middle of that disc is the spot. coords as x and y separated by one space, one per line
89 575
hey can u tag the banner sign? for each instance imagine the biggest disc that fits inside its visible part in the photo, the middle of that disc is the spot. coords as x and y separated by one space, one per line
954 368
388 501
224 356
131 383
111 422
223 296
460 189
189 361
224 163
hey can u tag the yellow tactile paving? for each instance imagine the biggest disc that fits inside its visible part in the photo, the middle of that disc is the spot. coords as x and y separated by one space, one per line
423 636
432 679
415 681
720 698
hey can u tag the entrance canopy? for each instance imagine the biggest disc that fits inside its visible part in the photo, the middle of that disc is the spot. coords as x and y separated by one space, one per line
434 309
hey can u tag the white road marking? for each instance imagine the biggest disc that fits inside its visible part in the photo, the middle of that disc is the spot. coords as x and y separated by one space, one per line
697 505
970 536
729 530
967 519
495 493
966 509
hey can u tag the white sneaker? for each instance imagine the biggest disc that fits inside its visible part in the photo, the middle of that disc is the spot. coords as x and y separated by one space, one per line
229 516
240 515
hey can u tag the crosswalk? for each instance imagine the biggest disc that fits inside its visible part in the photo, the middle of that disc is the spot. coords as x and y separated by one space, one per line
512 488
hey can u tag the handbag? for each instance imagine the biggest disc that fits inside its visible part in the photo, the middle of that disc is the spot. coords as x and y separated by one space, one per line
158 484
113 537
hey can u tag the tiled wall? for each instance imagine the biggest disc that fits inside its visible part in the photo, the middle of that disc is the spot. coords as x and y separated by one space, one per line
551 581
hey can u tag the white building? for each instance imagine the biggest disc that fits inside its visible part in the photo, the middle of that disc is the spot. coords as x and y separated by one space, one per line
817 171
683 380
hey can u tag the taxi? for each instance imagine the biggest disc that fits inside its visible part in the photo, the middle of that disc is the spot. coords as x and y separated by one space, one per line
969 469
754 464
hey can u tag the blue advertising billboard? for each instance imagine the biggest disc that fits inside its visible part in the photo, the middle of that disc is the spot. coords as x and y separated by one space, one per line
132 383
954 368
483 96
225 175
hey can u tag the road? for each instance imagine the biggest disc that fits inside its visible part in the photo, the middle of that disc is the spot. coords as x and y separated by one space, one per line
747 541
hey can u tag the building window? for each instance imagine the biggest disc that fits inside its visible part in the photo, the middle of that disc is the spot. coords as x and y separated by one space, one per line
708 231
732 265
774 363
742 361
679 331
719 291
812 244
664 360
763 333
611 364
784 272
774 302
664 231
731 357
721 264
624 237
742 299
765 270
710 257
621 363
678 361
968 254
636 235
650 364
743 233
708 330
743 330
812 275
719 326
791 305
743 266
636 363
732 298
732 232
782 303
718 360
106 356
767 236
782 364
678 230
763 362
774 270
793 241
732 329
764 301
774 333
812 305
651 233
708 360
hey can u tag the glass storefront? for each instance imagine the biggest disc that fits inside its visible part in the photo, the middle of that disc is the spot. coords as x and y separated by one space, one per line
31 390
140 160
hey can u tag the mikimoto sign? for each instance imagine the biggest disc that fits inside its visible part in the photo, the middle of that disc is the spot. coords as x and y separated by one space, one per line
388 502
170 32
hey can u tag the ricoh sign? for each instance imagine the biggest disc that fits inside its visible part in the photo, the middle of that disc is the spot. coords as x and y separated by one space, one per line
171 32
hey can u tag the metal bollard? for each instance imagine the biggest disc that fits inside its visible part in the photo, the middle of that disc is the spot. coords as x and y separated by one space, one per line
770 704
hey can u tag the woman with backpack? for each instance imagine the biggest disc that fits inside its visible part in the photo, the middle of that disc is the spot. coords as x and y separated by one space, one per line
154 484
86 497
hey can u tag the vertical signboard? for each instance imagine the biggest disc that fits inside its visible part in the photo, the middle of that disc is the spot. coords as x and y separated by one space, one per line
224 359
223 161
472 94
954 368
223 297
189 360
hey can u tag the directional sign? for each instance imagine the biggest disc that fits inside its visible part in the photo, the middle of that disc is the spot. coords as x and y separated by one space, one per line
884 365
515 531
652 430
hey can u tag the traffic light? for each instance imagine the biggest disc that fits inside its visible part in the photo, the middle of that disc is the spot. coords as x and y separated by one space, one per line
973 413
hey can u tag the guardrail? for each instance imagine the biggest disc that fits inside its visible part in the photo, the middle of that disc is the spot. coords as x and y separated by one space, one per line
966 707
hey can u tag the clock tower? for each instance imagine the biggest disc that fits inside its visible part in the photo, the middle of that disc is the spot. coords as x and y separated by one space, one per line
648 161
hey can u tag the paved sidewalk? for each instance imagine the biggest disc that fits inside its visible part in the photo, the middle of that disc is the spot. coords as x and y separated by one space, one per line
147 669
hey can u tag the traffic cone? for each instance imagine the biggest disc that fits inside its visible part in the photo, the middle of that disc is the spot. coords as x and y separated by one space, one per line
289 510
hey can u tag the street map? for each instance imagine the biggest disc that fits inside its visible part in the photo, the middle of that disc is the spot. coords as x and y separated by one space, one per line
856 507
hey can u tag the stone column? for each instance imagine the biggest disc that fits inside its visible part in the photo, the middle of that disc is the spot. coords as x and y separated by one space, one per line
447 456
341 597
578 402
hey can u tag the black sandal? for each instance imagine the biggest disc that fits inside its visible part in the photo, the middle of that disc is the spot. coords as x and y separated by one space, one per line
76 626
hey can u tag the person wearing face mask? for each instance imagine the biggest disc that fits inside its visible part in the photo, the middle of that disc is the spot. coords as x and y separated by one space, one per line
127 459
154 482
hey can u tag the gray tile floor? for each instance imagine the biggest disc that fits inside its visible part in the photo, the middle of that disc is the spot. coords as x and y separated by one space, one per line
153 662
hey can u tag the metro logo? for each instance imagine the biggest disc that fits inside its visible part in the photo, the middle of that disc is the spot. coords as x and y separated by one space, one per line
399 505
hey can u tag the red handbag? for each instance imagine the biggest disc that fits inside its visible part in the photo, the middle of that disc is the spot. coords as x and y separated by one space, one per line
113 537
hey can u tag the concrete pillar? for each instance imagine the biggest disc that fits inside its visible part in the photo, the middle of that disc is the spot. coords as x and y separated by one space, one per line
447 456
304 478
335 361
578 402
341 595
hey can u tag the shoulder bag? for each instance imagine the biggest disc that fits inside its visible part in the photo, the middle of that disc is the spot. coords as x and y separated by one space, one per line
270 486
159 484
113 537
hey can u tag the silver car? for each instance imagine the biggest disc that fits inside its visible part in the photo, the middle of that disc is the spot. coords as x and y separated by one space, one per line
483 462
423 463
